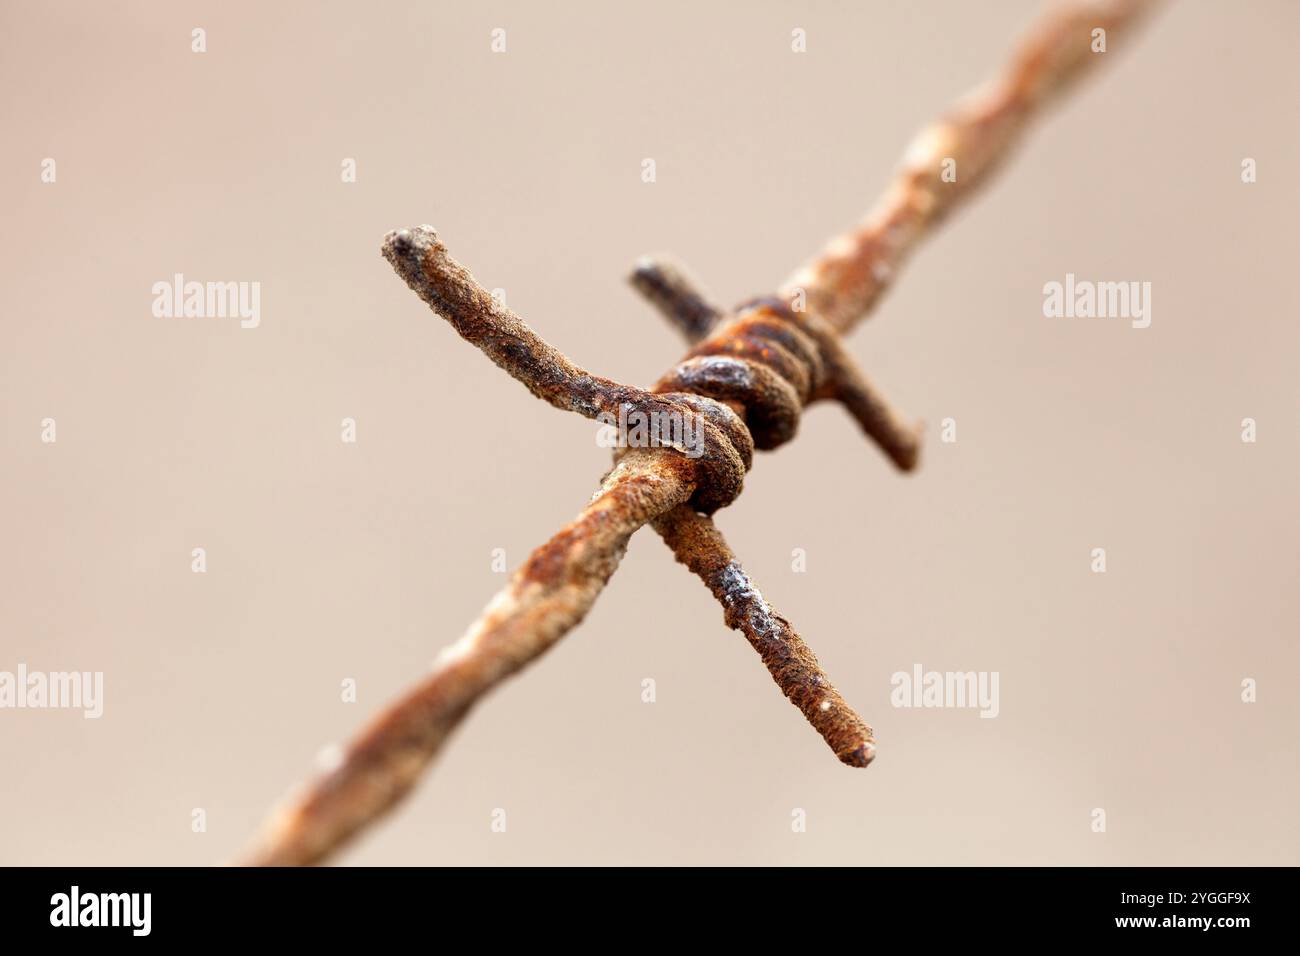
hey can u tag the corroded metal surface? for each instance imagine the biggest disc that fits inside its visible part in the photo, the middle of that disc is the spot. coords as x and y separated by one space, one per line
545 598
845 281
699 545
748 377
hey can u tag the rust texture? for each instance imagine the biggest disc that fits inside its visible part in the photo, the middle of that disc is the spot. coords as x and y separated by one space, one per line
666 286
699 545
546 597
846 280
748 376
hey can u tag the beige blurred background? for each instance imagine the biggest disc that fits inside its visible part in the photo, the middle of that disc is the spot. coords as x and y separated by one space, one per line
329 561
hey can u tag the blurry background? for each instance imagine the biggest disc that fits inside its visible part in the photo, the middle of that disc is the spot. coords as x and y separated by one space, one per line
330 561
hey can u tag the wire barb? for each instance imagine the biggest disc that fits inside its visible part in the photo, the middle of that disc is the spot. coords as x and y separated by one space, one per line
667 288
697 543
847 384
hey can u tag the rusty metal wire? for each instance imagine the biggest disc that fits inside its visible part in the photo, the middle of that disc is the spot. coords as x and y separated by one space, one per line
748 376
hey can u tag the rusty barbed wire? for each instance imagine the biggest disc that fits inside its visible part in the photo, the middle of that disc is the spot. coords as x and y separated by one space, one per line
747 378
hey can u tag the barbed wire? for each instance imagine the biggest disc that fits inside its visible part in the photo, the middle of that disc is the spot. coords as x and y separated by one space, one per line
748 376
